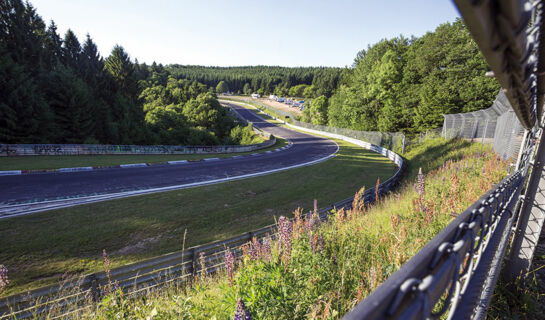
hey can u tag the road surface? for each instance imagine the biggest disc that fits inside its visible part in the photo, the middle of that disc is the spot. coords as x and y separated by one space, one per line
28 193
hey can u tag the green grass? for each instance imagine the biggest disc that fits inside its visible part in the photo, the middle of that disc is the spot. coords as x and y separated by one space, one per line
358 252
56 162
40 248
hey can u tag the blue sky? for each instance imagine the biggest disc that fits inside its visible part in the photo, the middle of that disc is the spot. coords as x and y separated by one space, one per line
244 32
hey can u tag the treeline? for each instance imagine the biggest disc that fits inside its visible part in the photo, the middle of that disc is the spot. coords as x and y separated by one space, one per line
305 82
405 84
55 89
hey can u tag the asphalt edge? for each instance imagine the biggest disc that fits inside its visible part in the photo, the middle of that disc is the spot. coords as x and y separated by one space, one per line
137 165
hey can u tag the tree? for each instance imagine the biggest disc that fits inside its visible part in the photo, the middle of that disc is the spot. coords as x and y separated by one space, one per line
247 90
222 87
120 67
316 112
71 50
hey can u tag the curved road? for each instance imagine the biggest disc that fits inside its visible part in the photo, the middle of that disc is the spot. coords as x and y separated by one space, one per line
24 194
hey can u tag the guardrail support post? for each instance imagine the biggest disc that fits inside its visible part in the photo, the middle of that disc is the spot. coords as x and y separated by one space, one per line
194 262
95 290
530 223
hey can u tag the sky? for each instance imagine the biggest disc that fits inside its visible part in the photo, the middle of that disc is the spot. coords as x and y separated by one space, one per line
244 32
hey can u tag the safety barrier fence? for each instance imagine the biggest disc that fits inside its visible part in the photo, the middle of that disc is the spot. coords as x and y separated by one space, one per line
457 270
497 125
8 150
72 296
394 141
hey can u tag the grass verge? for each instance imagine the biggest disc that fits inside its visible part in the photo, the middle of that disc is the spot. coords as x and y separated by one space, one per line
321 271
56 162
39 249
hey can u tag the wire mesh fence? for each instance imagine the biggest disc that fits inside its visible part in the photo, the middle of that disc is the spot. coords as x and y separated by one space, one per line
394 141
497 125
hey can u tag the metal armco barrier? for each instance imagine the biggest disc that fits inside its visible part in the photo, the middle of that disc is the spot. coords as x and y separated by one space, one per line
10 150
152 274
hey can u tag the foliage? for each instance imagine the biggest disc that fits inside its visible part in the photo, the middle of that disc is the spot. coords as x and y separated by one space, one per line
57 90
243 135
322 270
264 79
405 84
222 87
316 111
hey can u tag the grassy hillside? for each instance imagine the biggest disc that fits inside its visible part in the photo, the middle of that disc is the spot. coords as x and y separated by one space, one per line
324 270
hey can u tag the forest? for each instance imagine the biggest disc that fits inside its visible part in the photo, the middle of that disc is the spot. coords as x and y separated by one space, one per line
307 82
58 90
405 84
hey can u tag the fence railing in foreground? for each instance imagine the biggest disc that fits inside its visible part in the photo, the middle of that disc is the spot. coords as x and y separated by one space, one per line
452 270
151 274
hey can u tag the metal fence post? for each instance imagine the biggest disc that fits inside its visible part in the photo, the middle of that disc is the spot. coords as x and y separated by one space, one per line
530 223
193 262
95 290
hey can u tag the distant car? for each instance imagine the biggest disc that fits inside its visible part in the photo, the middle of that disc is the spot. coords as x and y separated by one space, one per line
289 102
256 95
281 100
273 97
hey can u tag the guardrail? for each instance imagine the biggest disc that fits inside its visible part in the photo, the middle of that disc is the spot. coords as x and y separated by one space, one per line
10 150
154 273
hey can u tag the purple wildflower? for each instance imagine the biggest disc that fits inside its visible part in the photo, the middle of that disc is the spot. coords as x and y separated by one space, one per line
4 281
285 229
108 269
255 249
241 313
313 221
321 242
230 265
312 241
315 206
266 249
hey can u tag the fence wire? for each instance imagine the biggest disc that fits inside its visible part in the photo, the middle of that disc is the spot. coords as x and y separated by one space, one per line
390 140
497 125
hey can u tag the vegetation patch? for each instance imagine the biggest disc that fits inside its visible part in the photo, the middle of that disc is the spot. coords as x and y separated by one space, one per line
322 270
40 247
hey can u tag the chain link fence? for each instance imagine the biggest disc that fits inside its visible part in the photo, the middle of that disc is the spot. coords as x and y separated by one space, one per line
394 141
497 125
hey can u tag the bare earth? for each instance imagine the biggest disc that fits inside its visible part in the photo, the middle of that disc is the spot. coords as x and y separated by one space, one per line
275 105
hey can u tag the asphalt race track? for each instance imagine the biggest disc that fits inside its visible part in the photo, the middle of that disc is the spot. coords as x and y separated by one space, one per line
28 193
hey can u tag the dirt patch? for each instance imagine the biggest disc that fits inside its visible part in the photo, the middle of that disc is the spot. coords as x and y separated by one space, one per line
247 194
137 247
281 106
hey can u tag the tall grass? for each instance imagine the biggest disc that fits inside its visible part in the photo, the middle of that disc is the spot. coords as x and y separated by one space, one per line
321 270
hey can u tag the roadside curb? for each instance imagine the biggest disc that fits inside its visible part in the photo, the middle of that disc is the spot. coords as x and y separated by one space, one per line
136 165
